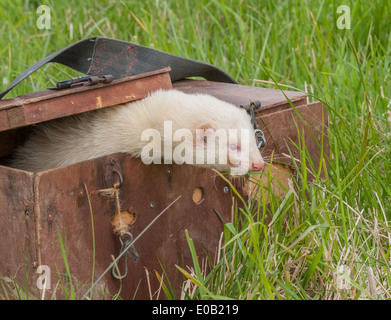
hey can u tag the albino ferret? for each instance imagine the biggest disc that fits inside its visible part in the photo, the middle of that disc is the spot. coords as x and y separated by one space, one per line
106 131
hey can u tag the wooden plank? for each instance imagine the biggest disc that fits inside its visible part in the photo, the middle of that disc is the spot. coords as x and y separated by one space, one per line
50 94
18 247
52 104
283 130
103 97
4 121
271 100
16 117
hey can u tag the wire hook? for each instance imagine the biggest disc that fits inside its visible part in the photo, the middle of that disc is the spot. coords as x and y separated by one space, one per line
132 253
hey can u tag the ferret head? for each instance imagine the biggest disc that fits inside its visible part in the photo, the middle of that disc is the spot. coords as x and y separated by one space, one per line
207 132
227 137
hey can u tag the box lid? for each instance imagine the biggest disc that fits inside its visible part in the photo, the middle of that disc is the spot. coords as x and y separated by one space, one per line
271 100
50 104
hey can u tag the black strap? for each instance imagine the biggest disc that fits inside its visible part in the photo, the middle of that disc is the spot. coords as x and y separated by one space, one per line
99 56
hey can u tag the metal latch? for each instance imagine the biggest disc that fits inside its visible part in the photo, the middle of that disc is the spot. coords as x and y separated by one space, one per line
82 81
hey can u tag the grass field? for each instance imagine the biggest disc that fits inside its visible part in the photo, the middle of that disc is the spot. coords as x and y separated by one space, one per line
333 244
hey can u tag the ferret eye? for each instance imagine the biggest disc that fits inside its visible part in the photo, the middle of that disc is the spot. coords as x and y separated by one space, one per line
234 147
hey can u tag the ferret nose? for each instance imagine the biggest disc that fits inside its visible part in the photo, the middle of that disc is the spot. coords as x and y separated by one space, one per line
257 166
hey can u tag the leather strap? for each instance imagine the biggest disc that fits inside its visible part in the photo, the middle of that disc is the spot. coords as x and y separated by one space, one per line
99 56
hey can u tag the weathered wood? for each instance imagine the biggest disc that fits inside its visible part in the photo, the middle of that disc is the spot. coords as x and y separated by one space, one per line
271 100
16 115
52 104
285 129
62 205
18 245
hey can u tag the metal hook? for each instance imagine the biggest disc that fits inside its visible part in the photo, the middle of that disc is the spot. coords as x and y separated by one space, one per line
121 179
125 246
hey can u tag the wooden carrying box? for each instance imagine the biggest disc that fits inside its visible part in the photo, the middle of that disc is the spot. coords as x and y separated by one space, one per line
37 208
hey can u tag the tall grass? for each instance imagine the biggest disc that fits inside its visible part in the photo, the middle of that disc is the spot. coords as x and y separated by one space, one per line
329 238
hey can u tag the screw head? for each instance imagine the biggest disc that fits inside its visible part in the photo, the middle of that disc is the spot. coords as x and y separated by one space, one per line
152 204
225 189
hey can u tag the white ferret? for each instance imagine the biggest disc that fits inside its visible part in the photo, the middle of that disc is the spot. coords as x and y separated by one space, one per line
106 131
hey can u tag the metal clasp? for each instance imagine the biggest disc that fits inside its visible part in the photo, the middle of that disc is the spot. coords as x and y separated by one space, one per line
82 81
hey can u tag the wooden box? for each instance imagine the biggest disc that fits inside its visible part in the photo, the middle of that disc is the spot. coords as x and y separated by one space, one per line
62 220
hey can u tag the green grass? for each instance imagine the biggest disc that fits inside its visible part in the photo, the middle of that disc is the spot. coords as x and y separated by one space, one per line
342 222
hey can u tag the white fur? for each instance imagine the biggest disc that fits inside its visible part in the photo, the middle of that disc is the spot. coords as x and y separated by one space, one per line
118 129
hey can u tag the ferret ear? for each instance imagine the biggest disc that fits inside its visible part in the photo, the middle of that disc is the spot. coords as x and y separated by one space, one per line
202 132
206 128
